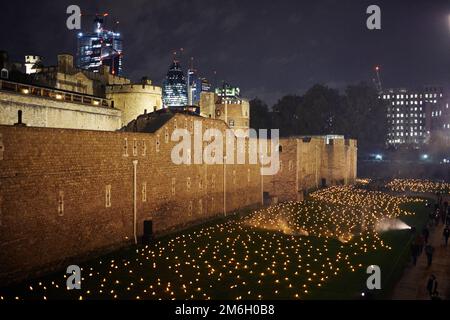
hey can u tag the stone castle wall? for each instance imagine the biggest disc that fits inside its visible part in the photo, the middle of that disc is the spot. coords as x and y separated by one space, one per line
135 99
51 113
309 163
65 194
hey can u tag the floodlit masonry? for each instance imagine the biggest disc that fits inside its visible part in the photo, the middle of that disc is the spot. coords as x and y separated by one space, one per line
66 195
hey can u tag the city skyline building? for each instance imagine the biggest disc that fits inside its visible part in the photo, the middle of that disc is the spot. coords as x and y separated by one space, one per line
228 93
415 117
101 47
175 91
438 113
32 64
406 117
197 85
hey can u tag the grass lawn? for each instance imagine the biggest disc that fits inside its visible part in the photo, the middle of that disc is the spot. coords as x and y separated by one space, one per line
317 249
391 263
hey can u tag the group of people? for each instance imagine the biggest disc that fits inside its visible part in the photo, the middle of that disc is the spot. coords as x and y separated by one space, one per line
439 214
420 244
442 213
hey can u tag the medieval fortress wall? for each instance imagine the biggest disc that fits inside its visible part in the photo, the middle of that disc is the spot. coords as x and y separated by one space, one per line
53 113
66 194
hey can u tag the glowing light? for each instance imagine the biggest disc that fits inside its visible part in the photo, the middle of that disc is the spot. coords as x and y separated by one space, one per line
289 247
391 224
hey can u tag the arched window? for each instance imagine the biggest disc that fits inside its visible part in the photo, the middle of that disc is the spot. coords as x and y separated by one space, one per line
4 74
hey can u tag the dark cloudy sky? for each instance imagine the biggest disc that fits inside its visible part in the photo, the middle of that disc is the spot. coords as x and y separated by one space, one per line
268 48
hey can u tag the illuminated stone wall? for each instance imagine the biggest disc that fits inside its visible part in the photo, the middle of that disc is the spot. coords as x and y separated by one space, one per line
309 163
41 112
135 99
67 194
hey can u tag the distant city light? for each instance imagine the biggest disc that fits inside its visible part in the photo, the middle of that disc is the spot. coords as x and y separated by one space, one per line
425 157
379 157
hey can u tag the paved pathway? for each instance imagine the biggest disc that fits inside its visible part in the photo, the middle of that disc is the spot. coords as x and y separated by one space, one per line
412 285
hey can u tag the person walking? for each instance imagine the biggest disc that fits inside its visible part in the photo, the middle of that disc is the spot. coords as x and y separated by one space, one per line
446 235
432 286
414 253
437 216
444 212
420 242
429 250
426 234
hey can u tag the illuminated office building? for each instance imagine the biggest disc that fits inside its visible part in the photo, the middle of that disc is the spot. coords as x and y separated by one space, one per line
197 85
100 48
175 93
414 115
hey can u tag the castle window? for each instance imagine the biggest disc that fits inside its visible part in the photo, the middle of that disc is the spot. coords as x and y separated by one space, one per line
135 148
2 147
190 208
166 135
125 147
144 192
280 149
174 181
231 123
188 184
213 182
157 143
200 184
144 148
61 203
108 196
175 125
4 74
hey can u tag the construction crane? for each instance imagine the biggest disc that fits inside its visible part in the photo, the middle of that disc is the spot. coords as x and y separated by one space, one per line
377 80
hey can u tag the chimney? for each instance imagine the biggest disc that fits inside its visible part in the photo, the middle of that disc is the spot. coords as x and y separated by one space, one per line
104 70
19 120
65 63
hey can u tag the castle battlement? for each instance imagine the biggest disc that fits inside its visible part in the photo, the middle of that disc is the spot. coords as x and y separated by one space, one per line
133 88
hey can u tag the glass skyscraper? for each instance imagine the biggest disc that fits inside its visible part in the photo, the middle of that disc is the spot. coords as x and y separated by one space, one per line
197 86
101 47
175 92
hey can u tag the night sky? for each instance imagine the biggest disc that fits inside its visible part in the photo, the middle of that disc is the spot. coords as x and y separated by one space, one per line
268 48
